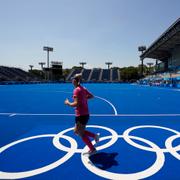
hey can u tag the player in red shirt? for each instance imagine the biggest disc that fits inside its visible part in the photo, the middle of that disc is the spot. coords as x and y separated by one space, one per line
80 97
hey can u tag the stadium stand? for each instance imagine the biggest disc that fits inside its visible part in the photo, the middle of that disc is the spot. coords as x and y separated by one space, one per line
166 79
85 74
95 75
90 75
166 51
72 73
100 75
11 74
106 75
115 75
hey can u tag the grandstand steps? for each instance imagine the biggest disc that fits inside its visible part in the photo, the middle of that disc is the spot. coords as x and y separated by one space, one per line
95 75
3 77
85 74
100 75
119 75
70 74
15 74
111 73
106 75
90 75
82 71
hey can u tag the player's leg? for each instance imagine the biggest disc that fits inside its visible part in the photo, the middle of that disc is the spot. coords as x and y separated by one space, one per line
80 130
90 134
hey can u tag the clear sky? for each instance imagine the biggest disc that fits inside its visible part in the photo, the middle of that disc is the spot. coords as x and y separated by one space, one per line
94 31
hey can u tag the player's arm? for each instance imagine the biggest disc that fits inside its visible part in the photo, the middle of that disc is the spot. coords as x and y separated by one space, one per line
89 95
72 104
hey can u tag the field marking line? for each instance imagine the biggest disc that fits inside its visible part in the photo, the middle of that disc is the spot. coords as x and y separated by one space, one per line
95 115
115 111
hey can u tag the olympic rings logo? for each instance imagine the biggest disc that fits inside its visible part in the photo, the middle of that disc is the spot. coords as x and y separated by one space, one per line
158 164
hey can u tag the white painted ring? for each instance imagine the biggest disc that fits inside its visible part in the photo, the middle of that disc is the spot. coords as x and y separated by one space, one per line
60 146
127 132
135 176
24 174
171 149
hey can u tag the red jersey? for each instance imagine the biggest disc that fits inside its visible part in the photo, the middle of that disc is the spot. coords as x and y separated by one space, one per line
82 94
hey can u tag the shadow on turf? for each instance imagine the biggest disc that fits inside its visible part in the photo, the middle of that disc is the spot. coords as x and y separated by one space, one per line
104 160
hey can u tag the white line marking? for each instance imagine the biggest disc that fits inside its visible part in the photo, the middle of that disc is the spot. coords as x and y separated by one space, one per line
95 115
115 111
13 114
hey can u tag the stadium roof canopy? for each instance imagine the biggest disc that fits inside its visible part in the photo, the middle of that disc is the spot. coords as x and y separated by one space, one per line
162 47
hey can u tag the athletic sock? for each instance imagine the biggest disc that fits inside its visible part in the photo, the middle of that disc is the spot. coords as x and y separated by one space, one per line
88 142
90 134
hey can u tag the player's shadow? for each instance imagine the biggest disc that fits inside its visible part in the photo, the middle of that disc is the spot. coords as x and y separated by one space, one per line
104 160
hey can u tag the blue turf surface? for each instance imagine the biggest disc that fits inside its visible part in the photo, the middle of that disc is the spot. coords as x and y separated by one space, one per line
31 110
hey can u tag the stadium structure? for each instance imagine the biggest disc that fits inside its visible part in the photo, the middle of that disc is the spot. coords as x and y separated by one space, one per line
166 53
96 75
11 75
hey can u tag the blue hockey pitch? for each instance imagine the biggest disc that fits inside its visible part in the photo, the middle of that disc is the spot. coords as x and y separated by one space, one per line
139 130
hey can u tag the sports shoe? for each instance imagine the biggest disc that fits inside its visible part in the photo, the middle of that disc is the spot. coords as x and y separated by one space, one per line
90 152
97 138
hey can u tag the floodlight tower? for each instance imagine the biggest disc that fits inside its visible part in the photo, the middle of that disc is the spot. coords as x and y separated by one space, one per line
108 64
31 67
141 49
48 49
42 64
82 64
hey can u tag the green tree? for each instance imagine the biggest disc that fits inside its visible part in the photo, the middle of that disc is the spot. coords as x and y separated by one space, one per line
129 74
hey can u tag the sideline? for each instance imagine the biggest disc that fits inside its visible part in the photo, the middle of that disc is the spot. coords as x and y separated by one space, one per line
95 115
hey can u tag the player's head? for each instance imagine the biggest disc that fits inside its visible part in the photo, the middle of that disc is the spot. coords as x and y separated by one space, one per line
76 79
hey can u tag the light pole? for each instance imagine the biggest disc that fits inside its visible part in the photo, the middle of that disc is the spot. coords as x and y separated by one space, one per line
48 49
82 64
42 64
42 72
141 49
31 67
108 64
45 48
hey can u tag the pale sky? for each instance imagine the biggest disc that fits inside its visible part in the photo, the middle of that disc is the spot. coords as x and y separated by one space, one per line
94 31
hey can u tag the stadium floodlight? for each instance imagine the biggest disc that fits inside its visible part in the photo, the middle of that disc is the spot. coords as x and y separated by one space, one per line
108 64
31 67
142 49
48 49
82 64
42 64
